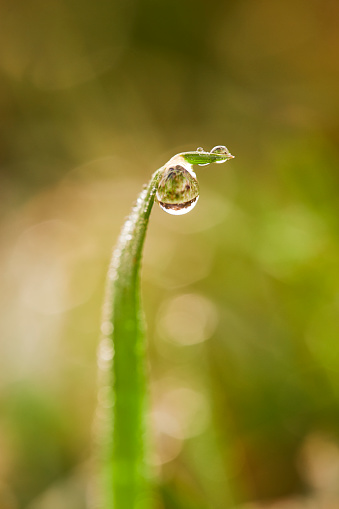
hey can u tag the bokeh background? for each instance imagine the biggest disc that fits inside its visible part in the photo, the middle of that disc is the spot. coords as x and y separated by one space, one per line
241 295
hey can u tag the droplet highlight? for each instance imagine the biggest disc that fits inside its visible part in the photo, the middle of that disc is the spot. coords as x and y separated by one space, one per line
178 189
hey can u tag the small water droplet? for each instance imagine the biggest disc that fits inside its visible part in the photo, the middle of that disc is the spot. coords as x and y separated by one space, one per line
178 189
222 150
200 149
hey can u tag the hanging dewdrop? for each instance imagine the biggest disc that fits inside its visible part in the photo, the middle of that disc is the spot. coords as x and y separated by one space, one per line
178 187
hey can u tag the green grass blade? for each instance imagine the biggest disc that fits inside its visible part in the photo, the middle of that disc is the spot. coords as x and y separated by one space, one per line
205 157
123 427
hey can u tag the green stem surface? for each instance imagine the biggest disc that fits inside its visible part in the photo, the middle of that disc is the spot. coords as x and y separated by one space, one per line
122 393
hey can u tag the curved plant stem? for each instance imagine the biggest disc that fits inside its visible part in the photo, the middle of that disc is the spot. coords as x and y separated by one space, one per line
122 393
121 359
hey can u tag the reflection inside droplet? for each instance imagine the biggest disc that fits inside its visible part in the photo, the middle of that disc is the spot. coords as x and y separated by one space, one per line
178 189
222 150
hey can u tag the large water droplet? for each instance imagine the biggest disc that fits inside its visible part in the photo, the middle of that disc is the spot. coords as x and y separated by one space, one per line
222 150
178 190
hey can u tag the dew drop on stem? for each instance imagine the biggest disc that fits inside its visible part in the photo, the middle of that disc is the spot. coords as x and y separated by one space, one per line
200 149
222 150
178 189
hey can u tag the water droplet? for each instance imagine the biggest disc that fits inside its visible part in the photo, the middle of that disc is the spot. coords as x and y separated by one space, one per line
178 189
200 149
222 150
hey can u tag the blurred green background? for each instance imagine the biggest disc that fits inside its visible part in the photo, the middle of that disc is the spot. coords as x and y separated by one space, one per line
241 295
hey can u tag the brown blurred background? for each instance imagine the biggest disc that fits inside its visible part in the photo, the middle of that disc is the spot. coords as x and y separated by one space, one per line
241 295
